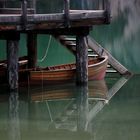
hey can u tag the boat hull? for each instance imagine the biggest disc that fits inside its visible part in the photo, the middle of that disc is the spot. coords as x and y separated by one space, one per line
96 71
57 74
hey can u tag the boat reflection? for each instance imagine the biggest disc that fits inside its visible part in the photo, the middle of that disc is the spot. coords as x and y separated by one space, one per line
96 90
58 112
75 106
80 105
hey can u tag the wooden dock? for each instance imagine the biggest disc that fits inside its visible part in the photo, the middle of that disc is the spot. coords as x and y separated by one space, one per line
15 21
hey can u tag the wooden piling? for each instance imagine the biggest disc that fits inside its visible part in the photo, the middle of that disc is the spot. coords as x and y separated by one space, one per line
12 61
32 50
106 7
66 12
81 60
24 13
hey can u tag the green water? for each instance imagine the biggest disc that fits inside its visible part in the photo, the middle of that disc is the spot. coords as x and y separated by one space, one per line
84 114
50 52
122 37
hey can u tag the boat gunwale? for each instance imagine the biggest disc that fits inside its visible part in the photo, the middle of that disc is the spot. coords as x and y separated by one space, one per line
99 63
43 70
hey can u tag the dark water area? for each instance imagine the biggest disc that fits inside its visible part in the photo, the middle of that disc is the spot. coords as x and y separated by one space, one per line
107 109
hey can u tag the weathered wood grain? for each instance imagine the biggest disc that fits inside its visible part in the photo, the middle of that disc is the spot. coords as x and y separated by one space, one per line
81 60
93 16
12 63
32 50
112 61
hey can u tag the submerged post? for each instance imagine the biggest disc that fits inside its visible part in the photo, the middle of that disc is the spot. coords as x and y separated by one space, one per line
12 60
81 60
32 49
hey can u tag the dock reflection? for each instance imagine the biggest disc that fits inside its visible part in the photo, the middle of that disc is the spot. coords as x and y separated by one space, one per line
58 112
14 122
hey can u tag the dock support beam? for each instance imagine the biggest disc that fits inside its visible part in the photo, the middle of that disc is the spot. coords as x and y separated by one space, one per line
32 49
12 61
81 60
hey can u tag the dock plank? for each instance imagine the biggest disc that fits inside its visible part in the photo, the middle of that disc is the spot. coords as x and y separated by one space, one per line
51 20
112 61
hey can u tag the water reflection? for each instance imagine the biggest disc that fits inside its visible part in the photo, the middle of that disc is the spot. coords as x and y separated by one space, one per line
132 9
76 105
121 119
82 108
14 125
96 89
56 112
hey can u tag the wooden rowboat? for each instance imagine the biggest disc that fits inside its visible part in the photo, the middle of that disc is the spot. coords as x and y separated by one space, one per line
66 72
60 73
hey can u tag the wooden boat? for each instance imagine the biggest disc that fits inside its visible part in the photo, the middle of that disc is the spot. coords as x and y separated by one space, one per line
60 73
66 72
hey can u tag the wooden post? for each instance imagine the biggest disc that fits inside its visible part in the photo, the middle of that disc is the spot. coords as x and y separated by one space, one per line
106 7
81 60
32 49
12 61
66 11
24 13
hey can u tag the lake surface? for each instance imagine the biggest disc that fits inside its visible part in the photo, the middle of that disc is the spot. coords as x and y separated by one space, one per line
105 110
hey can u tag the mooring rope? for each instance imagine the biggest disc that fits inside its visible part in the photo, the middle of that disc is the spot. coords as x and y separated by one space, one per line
46 52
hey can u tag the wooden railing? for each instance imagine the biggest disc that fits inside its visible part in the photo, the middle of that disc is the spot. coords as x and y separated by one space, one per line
24 16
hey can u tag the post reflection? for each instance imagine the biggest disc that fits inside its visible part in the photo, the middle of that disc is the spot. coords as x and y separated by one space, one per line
14 125
59 112
89 102
82 107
